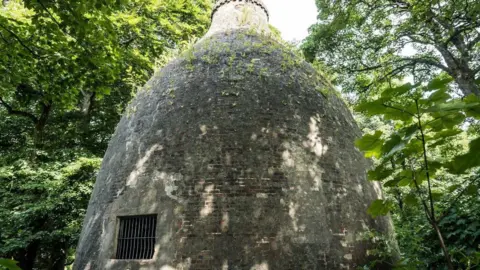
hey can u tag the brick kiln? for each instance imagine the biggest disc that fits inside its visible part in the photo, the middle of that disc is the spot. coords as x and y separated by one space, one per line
236 155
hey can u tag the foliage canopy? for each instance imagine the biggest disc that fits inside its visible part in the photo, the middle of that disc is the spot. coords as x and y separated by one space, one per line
69 69
368 42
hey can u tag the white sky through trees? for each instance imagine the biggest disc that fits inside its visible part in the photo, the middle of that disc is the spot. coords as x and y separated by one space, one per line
292 17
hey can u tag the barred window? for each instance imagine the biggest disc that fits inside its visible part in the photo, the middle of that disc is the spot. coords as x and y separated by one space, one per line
136 237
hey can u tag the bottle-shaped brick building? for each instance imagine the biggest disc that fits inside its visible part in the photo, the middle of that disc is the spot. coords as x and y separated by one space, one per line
236 155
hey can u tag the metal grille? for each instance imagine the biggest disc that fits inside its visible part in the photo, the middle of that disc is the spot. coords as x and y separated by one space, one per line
136 237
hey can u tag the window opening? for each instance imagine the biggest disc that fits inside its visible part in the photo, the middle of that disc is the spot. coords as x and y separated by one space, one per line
136 237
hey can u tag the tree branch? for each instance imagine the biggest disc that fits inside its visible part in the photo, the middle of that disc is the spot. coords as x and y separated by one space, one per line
476 70
459 30
409 61
427 62
51 16
398 109
416 40
11 111
425 207
364 69
473 42
19 40
425 160
4 39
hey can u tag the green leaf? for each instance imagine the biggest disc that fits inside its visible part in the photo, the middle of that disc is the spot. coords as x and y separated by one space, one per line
437 143
383 106
413 148
434 166
452 106
379 208
402 112
438 83
438 96
379 173
409 131
411 200
371 108
452 188
371 144
405 178
447 133
437 195
462 163
446 121
397 91
441 137
475 110
420 176
453 120
405 182
393 145
396 144
391 183
471 190
9 264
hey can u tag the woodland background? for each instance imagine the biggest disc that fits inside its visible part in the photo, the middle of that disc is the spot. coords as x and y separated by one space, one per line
409 69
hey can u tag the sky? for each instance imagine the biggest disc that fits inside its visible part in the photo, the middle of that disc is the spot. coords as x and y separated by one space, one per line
292 17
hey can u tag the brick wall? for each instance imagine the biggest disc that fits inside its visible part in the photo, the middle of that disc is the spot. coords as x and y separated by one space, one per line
247 156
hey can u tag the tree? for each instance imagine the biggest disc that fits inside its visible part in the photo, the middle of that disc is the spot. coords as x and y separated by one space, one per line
69 69
42 208
422 124
55 52
373 41
422 136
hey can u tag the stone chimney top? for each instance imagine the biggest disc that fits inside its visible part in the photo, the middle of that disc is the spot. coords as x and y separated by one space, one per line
239 2
228 15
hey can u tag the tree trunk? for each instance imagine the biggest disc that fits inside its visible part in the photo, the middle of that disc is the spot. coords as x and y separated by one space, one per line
87 102
42 121
26 257
467 84
87 108
442 244
59 259
460 71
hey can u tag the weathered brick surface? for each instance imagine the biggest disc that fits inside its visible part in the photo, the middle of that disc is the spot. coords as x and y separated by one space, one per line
247 164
